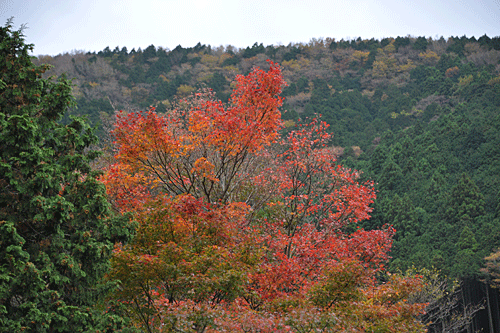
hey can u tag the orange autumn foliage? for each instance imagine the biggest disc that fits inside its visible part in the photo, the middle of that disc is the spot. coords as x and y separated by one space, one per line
202 147
243 231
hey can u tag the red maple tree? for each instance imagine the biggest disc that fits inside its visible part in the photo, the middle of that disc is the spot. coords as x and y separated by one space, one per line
242 231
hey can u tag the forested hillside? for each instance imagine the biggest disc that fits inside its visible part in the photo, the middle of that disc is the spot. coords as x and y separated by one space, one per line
420 117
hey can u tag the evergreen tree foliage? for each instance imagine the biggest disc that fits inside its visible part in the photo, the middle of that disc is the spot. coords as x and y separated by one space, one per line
467 261
466 201
391 177
56 234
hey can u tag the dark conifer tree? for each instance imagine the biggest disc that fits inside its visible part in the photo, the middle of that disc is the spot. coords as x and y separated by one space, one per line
56 234
466 202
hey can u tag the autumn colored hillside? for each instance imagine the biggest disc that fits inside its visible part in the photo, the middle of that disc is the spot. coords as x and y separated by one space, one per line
420 117
360 76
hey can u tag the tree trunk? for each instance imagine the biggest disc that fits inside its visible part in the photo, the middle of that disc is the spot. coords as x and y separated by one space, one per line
490 318
465 306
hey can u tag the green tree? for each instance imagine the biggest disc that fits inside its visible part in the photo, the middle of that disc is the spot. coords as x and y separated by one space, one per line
391 177
466 202
378 159
434 196
55 232
402 214
467 260
420 44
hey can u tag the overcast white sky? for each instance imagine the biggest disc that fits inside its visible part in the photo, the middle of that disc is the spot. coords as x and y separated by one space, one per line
58 26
